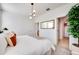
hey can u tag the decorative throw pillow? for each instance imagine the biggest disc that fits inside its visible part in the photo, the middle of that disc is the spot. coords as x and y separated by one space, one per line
3 44
11 39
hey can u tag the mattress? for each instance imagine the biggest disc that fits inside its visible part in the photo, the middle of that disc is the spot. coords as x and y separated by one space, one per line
27 45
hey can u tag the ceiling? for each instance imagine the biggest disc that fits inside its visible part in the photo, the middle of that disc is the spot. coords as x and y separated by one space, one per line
25 8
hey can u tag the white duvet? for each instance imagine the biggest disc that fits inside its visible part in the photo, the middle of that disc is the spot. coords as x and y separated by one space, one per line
27 45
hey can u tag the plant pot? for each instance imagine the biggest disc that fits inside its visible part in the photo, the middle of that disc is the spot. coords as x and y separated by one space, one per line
75 49
77 45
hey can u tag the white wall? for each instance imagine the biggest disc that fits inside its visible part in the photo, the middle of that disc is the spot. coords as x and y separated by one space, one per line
18 23
0 19
51 34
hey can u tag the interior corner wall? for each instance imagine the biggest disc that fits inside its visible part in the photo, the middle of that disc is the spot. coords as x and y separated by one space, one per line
51 34
20 24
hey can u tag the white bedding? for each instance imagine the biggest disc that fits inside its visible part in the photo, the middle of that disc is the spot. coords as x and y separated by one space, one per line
27 45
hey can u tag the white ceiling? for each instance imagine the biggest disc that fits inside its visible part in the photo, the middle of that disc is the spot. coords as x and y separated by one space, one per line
25 8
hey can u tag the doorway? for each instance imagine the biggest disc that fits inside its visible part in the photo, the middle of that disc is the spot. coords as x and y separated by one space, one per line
62 27
63 37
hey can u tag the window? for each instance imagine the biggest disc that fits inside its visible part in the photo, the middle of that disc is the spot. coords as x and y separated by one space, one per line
47 24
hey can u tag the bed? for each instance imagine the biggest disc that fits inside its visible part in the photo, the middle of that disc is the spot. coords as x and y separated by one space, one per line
27 45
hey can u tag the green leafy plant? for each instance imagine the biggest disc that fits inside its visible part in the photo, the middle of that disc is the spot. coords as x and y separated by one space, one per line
73 21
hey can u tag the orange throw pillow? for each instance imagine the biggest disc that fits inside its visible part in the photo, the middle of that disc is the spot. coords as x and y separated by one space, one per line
11 39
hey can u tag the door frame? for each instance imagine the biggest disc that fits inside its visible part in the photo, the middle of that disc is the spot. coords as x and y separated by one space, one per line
61 26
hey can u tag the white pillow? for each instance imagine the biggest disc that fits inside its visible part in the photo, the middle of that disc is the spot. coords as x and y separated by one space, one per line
3 44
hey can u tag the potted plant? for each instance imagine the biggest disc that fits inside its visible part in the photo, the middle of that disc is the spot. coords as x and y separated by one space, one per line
73 23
